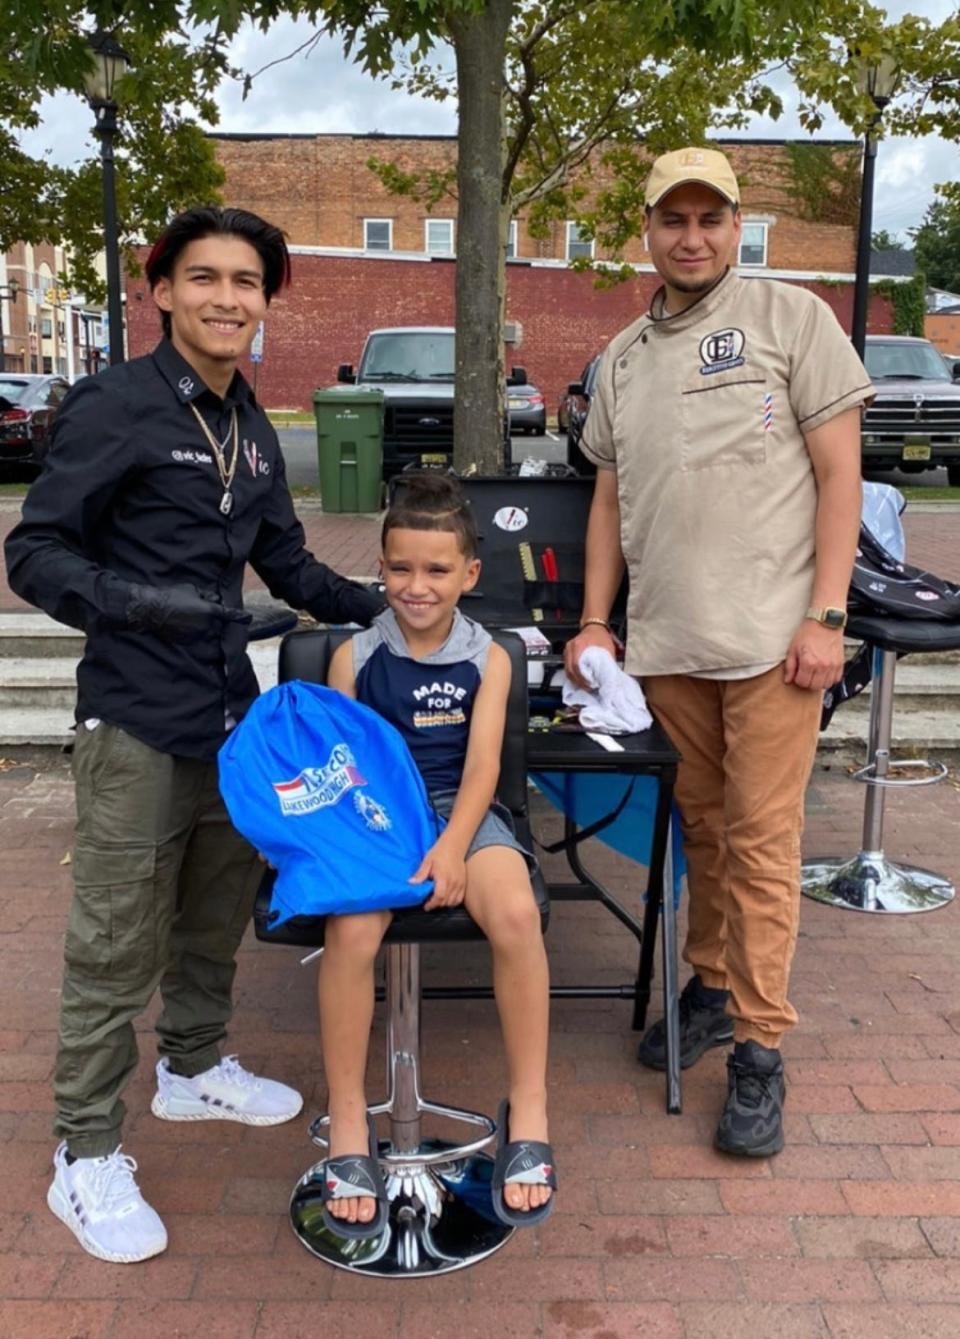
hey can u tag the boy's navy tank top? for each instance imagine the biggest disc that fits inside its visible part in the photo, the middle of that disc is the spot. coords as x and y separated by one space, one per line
430 701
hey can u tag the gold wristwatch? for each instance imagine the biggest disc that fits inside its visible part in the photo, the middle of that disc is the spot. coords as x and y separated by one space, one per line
830 617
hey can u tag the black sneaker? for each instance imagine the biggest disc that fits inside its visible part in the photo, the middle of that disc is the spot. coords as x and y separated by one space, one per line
703 1023
752 1120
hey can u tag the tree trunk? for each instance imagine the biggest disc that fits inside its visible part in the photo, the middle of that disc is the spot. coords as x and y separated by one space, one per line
480 41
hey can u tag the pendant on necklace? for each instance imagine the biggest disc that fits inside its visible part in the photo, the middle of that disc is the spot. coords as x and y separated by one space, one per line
226 503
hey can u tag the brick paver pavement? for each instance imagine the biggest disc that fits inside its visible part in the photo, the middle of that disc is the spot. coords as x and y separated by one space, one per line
350 544
853 1231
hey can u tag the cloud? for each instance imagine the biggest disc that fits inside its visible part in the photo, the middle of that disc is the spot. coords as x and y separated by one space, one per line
326 92
320 91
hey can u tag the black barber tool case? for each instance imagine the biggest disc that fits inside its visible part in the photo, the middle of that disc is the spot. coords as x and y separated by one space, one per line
532 534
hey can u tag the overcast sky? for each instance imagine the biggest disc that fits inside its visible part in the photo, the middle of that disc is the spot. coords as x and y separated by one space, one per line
323 92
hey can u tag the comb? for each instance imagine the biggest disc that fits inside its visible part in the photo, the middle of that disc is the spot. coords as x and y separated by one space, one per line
529 570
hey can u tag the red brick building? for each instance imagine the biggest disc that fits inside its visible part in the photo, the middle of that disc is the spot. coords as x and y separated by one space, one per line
943 329
363 257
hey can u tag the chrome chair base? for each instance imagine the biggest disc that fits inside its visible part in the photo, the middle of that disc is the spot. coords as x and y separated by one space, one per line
440 1217
871 882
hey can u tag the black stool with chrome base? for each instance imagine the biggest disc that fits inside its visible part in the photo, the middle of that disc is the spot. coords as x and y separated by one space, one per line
870 881
441 1218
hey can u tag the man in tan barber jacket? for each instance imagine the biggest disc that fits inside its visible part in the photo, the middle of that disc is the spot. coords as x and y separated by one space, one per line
725 427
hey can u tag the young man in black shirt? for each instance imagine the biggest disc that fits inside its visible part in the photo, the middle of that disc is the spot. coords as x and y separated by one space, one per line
164 479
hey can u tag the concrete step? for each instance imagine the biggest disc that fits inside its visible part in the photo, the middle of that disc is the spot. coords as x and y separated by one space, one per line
921 687
916 733
930 658
31 635
34 636
20 726
37 697
30 681
913 680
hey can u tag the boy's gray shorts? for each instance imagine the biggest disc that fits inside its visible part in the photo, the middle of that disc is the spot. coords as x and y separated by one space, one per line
496 828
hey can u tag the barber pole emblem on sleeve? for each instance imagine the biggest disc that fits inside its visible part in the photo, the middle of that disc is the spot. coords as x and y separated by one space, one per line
767 412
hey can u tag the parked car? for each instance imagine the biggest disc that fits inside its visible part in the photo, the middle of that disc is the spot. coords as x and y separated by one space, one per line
913 423
527 409
572 412
413 366
28 406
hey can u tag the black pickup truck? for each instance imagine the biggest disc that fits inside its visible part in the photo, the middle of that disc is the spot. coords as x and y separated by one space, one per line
914 422
413 366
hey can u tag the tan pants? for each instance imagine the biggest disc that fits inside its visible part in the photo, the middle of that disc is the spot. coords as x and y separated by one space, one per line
747 747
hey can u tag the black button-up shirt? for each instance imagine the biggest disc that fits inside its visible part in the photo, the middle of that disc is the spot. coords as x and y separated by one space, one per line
130 492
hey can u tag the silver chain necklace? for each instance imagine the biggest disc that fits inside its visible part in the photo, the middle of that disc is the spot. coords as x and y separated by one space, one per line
225 471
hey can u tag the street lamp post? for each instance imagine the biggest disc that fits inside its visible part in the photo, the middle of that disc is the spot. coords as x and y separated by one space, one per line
879 81
110 63
8 293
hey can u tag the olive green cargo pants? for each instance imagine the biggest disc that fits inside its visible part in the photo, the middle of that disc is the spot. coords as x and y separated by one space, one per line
163 890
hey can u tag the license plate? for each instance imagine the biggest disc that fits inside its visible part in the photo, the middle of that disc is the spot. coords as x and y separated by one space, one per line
916 448
434 459
515 404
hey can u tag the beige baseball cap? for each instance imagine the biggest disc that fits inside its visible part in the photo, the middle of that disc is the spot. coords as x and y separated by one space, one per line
709 167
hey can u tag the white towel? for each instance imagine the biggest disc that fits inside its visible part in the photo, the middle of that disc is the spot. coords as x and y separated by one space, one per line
615 701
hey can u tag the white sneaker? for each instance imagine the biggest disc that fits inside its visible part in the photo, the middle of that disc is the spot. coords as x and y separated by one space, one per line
225 1092
101 1204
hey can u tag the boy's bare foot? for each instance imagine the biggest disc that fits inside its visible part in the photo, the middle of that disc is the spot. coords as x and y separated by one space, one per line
349 1135
528 1120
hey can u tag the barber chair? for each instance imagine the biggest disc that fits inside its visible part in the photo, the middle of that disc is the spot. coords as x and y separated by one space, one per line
440 1217
870 881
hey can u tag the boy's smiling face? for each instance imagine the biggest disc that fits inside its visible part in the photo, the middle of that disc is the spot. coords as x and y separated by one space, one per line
424 574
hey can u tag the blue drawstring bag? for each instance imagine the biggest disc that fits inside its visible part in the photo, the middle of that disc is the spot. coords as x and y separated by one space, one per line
328 792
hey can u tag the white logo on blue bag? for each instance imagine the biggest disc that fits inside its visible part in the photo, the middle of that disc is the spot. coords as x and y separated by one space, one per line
372 813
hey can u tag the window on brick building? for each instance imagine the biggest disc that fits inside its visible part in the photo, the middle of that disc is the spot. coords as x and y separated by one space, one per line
438 237
48 365
512 240
753 244
576 245
46 328
378 234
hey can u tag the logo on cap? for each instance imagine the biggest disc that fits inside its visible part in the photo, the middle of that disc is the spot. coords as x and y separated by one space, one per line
722 350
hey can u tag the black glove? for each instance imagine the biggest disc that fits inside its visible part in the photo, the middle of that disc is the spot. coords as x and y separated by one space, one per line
177 613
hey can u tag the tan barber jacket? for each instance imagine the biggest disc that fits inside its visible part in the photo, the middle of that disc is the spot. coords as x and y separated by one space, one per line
702 415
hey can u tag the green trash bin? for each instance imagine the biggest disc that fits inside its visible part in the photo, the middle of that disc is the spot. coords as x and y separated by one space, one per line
349 447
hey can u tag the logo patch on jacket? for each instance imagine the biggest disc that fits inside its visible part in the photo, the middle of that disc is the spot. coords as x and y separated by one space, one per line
317 787
722 350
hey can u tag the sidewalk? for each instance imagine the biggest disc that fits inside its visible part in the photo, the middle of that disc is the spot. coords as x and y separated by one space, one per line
348 544
854 1231
351 544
